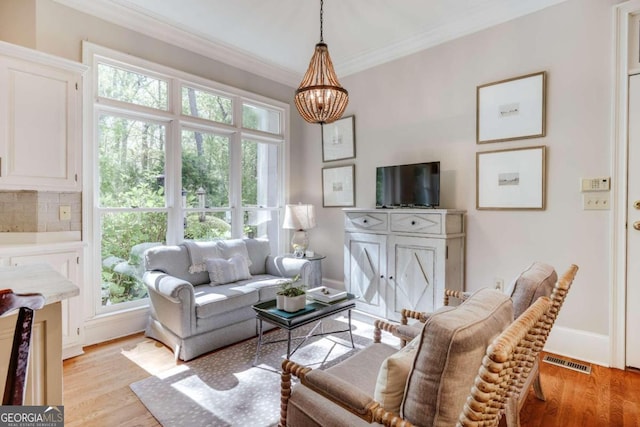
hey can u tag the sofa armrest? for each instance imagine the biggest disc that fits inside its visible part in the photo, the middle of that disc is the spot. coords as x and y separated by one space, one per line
288 266
166 285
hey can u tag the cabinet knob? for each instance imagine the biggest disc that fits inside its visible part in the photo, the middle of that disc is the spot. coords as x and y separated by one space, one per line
364 220
390 277
381 276
413 223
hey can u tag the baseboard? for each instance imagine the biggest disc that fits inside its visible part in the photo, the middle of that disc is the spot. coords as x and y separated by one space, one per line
577 344
73 351
116 325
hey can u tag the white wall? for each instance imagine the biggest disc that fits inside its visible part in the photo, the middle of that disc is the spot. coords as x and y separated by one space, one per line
422 108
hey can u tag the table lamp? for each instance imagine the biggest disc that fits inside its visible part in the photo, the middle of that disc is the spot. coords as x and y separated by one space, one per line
299 218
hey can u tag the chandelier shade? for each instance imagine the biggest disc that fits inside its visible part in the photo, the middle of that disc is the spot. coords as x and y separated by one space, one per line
320 98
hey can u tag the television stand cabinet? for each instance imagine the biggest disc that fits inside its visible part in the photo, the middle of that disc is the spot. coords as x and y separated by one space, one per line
403 258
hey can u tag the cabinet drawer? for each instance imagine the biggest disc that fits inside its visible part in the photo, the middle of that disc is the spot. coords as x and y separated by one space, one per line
365 221
416 223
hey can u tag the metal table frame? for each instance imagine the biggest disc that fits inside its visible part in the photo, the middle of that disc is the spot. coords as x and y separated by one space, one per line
320 311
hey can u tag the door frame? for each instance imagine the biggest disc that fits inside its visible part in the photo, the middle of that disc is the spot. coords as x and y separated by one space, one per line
619 157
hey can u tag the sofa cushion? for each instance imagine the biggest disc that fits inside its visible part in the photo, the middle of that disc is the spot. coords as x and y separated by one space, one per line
265 284
451 349
259 250
392 376
214 300
534 282
223 271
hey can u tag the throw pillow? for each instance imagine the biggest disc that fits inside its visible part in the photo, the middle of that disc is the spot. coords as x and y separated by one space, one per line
392 376
223 271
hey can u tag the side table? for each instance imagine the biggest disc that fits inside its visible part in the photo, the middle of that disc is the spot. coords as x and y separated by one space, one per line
315 278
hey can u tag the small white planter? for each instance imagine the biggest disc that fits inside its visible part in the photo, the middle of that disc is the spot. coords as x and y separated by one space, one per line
292 304
280 302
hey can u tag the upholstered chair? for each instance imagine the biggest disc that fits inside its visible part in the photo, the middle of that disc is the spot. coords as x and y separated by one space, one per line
425 383
558 295
456 349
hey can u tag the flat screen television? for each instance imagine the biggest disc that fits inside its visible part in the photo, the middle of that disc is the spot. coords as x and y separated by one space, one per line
408 186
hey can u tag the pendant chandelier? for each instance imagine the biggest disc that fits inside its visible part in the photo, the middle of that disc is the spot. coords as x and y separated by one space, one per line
320 98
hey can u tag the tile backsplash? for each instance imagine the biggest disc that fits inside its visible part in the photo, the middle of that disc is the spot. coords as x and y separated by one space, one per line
39 211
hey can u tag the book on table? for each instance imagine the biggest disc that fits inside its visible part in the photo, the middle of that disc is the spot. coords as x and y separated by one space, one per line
326 294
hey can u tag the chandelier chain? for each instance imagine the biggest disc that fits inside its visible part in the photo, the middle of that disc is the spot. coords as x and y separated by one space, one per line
321 7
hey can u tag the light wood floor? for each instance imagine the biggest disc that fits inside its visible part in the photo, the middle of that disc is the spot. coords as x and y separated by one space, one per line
97 393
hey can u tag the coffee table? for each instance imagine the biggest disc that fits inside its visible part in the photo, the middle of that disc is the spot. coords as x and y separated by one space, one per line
314 311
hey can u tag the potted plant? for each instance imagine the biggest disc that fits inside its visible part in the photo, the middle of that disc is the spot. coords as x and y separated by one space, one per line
291 295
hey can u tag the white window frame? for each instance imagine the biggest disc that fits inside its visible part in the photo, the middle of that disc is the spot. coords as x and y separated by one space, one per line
174 121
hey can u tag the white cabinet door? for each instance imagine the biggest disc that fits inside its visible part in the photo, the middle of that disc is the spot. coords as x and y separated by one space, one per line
416 270
67 264
365 268
41 129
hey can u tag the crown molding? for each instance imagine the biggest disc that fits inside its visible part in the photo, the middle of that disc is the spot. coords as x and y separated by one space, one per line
470 23
150 26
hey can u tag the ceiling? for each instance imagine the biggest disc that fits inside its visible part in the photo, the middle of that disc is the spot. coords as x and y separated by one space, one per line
275 38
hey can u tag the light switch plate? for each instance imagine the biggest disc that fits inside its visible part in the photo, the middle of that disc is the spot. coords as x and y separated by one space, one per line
595 201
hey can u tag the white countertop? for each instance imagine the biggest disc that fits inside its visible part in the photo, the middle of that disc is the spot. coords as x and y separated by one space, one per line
38 278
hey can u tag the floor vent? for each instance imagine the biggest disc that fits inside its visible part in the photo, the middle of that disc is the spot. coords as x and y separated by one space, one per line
585 369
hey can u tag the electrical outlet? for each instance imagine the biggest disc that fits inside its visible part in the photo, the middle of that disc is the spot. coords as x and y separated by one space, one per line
65 213
499 283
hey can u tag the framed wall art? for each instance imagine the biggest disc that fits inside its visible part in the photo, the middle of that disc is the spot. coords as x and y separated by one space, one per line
511 179
338 186
511 109
339 140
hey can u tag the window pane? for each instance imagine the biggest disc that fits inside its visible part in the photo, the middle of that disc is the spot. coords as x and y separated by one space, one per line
132 159
206 105
259 174
262 224
205 169
207 225
260 118
127 86
125 237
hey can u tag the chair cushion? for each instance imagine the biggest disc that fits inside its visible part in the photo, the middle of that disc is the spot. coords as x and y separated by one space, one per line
452 345
222 271
392 376
535 281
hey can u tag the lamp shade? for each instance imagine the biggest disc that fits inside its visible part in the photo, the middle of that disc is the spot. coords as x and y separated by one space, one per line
299 217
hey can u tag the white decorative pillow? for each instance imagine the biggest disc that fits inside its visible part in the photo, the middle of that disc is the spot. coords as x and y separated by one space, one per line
393 375
222 271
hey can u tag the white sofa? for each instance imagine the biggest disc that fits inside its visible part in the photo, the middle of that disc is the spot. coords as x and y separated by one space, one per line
191 316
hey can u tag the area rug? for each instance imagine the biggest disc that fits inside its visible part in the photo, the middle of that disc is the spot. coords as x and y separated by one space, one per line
223 388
